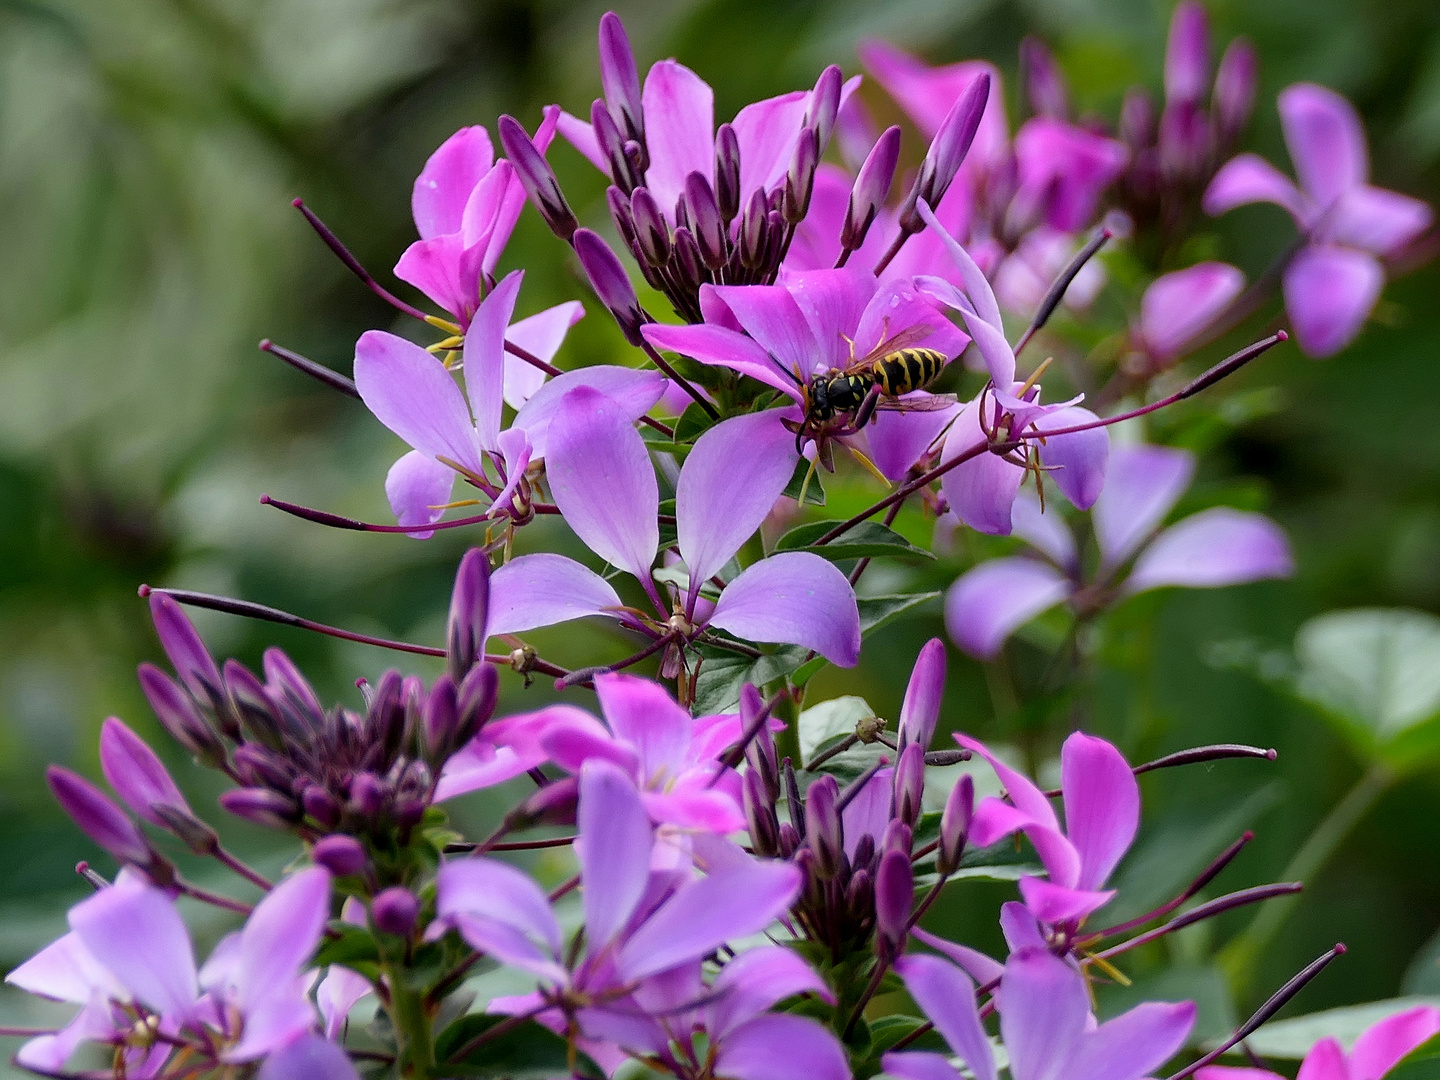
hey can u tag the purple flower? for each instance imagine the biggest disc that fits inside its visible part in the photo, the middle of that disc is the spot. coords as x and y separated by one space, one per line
1213 548
1378 1050
1177 308
1348 225
1045 1021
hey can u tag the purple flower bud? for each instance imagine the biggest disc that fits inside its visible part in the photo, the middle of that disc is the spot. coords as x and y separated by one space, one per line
537 178
1137 119
1044 85
894 895
367 795
652 234
320 805
860 896
188 656
774 242
136 773
98 817
864 850
753 227
177 711
441 718
909 784
921 709
1235 82
252 706
872 187
688 261
261 806
727 172
1187 53
898 837
789 840
467 629
612 145
760 816
343 856
394 910
955 825
259 767
800 177
475 703
824 106
823 830
1184 140
387 719
705 221
610 282
292 692
553 804
619 78
192 832
947 151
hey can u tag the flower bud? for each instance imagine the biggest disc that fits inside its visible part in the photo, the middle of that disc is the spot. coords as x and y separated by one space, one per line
704 214
553 804
824 106
387 716
760 816
789 840
1044 85
620 214
259 767
342 855
182 644
611 284
753 227
864 850
537 178
261 806
320 805
136 774
800 177
441 719
467 628
252 706
367 795
727 172
1187 53
860 896
823 830
1234 97
1184 140
872 187
394 910
1137 119
619 78
176 710
955 825
292 692
909 784
98 817
894 895
612 145
191 831
652 233
898 837
921 709
947 151
688 260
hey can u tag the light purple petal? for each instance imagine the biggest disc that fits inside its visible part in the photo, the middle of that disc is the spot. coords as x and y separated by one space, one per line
832 302
919 1065
1249 178
578 737
1325 1061
541 335
499 891
1382 1045
728 486
280 1016
48 1054
897 439
989 603
1052 903
982 489
782 1047
1329 292
771 316
977 286
1215 547
994 350
479 765
1142 484
65 971
695 809
515 453
1178 306
1377 220
706 913
644 714
947 996
507 945
614 851
797 598
757 979
1023 792
633 390
485 358
309 1058
1020 927
920 711
1046 530
418 487
413 394
768 132
337 994
134 931
135 773
281 935
1326 141
544 589
1135 1043
451 173
1044 1012
898 306
981 968
1064 168
1102 805
579 134
679 111
1075 462
868 811
721 346
603 481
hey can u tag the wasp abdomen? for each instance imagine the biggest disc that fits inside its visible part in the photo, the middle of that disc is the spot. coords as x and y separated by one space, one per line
905 370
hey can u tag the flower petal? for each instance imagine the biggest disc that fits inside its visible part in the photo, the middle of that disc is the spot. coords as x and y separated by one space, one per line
337 994
754 981
1078 458
679 111
947 996
413 394
615 840
1249 178
541 335
308 1058
768 132
982 489
794 597
579 134
603 481
633 390
1028 798
1052 903
451 173
773 318
1377 220
724 347
1329 293
437 267
919 1065
898 439
544 589
1043 1014
485 358
499 891
832 302
1102 805
1215 547
417 488
1141 486
989 603
1382 1045
1178 306
1135 1043
1046 531
1326 141
728 486
136 773
281 934
65 971
134 931
643 714
781 1047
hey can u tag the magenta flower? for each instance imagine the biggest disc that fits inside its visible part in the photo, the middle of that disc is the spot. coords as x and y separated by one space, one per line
1378 1050
465 205
1348 225
1045 1022
1213 548
1178 307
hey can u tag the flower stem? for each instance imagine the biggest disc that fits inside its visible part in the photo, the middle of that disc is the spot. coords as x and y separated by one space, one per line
412 1023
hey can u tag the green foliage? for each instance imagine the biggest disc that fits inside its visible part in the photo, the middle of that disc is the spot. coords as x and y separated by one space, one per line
868 539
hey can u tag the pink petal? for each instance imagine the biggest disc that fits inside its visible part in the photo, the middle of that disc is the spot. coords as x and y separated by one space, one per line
982 489
1052 903
1329 292
1043 1014
1135 1043
1382 1045
927 94
603 481
579 134
1142 485
515 453
337 994
832 302
499 891
1075 462
1046 530
1068 167
1326 141
412 394
1377 220
1231 1072
994 349
868 812
541 335
771 316
1178 306
898 306
920 711
544 589
613 849
727 487
757 979
721 346
479 765
65 971
981 968
485 358
1102 805
633 390
781 1047
797 598
1325 1061
579 738
977 286
1249 178
1020 927
417 488
897 440
1027 798
281 934
679 111
708 811
1215 547
989 603
768 132
437 267
919 1065
947 996
309 1058
450 174
134 931
643 714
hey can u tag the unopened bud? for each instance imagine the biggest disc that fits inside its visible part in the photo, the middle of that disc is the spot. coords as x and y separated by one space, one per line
554 804
955 825
823 830
1044 85
1235 82
1187 54
947 151
652 233
894 895
367 795
292 692
261 806
342 855
800 177
1137 119
727 172
704 214
688 260
321 805
789 840
394 910
176 710
864 850
252 706
760 816
136 774
259 767
824 106
753 227
611 142
611 284
909 784
619 78
469 621
898 837
860 896
182 644
387 719
624 220
920 711
537 178
190 830
872 187
475 703
98 817
441 718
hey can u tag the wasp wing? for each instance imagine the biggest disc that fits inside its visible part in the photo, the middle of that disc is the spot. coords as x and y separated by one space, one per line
918 403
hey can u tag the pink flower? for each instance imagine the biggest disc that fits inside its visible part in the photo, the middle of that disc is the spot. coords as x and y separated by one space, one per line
1379 1048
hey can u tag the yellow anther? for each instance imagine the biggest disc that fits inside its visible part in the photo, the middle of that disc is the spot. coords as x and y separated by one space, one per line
1035 376
443 324
869 465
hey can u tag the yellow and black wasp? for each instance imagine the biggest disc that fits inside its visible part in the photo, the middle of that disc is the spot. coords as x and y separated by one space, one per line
842 401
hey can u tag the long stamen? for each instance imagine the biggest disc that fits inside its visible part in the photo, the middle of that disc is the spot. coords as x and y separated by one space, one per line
328 376
353 264
1060 285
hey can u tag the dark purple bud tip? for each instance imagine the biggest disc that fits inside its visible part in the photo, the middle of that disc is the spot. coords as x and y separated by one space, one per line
610 281
469 614
872 187
343 856
182 644
894 890
98 817
947 151
619 79
394 910
537 178
261 807
825 105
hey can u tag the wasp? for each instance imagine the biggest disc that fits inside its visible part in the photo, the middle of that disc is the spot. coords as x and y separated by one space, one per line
842 401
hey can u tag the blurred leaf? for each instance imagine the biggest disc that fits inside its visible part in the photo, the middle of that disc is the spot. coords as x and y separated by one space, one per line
1423 974
1205 986
1422 1063
865 540
1292 1039
876 611
526 1050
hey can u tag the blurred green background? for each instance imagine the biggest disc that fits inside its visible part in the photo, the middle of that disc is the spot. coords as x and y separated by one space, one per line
148 153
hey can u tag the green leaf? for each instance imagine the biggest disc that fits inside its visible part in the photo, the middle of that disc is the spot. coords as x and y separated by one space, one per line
693 423
354 945
723 673
1012 871
814 493
865 540
1422 1063
876 611
1292 1039
526 1050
